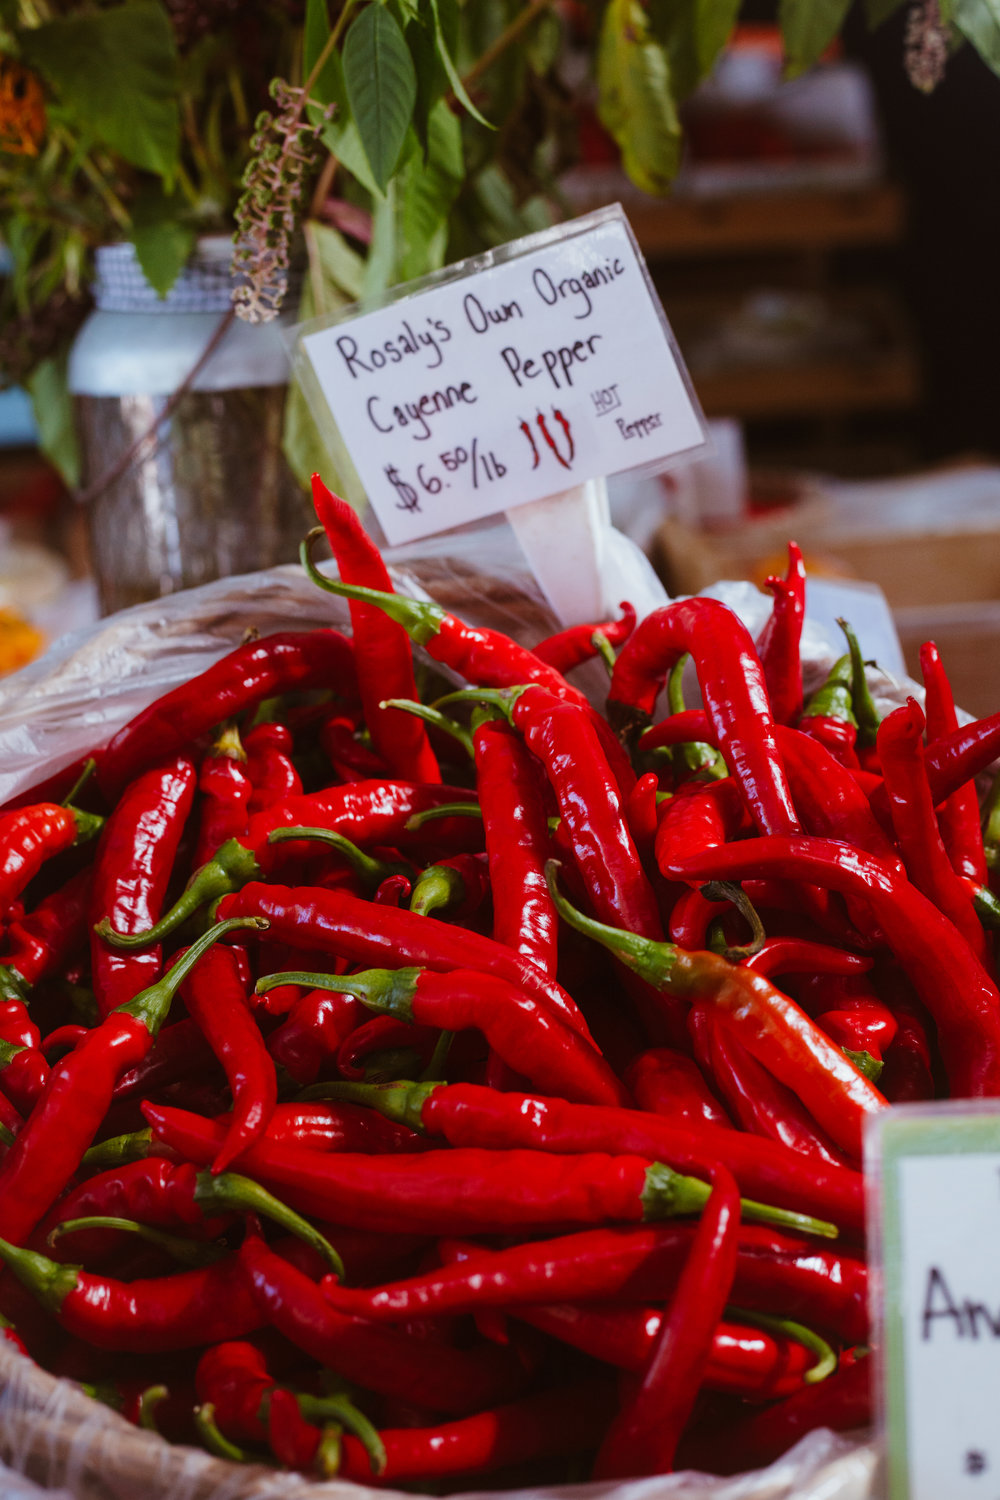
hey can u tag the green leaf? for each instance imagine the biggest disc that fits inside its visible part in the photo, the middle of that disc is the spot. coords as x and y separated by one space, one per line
315 35
807 28
162 240
426 191
636 104
543 42
381 87
380 266
979 22
115 72
431 77
877 11
336 272
53 408
694 32
340 135
448 63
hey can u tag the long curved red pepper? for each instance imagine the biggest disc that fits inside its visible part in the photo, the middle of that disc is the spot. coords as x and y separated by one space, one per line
733 690
643 1437
34 834
134 862
779 641
520 1030
571 648
280 663
958 815
943 969
381 647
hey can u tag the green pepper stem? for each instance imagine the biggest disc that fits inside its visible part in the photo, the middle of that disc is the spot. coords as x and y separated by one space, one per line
401 1100
186 1252
370 871
727 890
604 649
653 961
46 1279
832 699
89 767
420 620
118 1151
151 1006
668 1194
826 1359
88 825
432 716
445 810
213 1440
229 1192
436 887
862 701
148 1402
231 867
323 1409
435 1068
12 985
330 1451
8 1052
870 1066
389 991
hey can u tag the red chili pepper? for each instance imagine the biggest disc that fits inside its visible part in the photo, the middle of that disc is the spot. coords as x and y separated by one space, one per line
511 788
469 1115
325 1126
317 1025
351 760
553 1424
571 648
643 1437
691 917
901 753
381 647
456 887
759 1102
24 1073
778 642
180 1052
182 1311
272 776
775 1273
829 715
850 1011
39 943
233 1376
334 921
224 785
75 1100
789 955
959 813
433 1376
770 1025
134 863
32 835
385 1034
668 1083
733 689
699 817
216 999
260 669
843 1402
945 973
519 1029
907 1073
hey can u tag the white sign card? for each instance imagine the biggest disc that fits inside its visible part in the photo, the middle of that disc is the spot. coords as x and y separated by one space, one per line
934 1174
503 379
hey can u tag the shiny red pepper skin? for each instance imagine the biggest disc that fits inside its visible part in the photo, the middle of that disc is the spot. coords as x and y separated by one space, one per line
382 649
368 812
322 1126
643 1437
273 778
511 789
775 1273
216 999
134 862
383 1034
843 1402
179 1052
667 1083
350 759
181 1311
432 1376
733 690
958 815
260 669
336 922
552 1424
224 810
849 1010
801 956
38 943
944 971
901 753
317 1025
700 816
28 838
234 1378
571 648
778 642
23 1076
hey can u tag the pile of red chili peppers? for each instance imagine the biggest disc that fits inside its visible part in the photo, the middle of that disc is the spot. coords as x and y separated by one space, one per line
421 1086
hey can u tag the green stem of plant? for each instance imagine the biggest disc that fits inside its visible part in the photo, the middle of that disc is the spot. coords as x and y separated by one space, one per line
328 47
506 39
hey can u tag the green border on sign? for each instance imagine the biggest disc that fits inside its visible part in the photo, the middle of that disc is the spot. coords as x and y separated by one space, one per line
961 1127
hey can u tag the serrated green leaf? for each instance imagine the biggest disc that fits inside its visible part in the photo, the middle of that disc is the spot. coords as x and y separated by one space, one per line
426 191
340 135
979 22
635 100
162 240
115 73
53 409
447 61
807 29
381 86
694 32
877 11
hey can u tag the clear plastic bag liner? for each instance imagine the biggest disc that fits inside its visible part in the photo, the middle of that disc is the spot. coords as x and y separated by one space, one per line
74 699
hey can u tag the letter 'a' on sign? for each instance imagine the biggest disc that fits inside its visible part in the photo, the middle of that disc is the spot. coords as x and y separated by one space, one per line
516 375
934 1238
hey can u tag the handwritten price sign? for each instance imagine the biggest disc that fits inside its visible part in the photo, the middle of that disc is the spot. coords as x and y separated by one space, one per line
506 379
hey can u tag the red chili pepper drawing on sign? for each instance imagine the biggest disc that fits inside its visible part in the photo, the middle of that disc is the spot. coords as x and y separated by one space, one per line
546 434
534 446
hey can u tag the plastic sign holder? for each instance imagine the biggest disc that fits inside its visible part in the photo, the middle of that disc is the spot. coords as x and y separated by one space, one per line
512 382
934 1232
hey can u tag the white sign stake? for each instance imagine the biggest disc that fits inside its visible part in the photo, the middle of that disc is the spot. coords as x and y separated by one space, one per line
515 381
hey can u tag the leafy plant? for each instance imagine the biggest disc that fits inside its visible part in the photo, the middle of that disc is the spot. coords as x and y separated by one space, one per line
383 137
